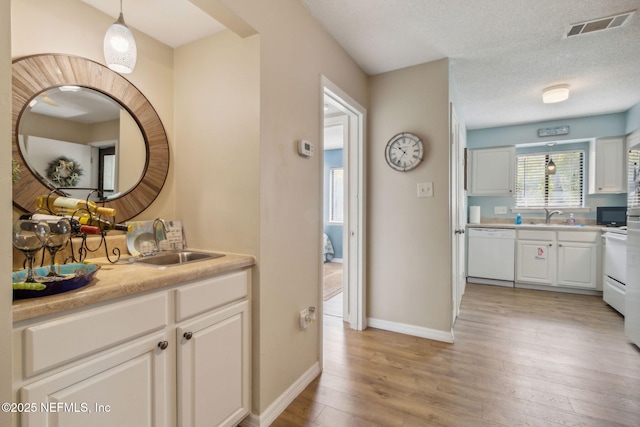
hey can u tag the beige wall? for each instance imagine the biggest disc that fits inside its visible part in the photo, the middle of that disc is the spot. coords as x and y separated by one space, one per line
79 30
5 207
295 52
216 161
408 237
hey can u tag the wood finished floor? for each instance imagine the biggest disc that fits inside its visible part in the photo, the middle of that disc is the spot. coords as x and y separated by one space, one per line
520 358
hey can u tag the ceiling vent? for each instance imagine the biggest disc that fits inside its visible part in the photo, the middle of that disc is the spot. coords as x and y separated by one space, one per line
601 24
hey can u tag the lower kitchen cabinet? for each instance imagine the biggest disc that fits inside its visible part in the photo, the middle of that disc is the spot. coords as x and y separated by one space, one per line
560 259
536 261
577 264
175 356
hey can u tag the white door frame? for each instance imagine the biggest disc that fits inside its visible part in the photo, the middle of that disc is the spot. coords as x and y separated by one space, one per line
458 215
354 244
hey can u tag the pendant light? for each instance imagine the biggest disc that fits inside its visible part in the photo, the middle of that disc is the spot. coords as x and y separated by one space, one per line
120 52
550 167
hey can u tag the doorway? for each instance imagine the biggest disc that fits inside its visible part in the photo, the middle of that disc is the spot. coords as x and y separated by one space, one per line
336 134
343 206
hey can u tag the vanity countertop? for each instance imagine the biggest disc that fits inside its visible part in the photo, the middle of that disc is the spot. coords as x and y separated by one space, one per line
124 279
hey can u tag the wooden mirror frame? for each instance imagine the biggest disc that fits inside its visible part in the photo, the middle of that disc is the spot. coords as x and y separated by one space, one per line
34 74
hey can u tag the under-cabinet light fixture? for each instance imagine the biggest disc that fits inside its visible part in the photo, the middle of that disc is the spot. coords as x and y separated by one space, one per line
120 52
554 94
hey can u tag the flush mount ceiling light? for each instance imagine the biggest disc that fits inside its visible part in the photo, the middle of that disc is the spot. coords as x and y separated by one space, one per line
554 94
120 52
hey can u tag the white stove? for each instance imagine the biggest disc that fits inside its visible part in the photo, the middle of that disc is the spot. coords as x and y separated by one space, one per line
615 268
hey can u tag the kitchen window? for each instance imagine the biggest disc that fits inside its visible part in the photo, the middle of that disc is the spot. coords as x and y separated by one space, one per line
536 189
336 196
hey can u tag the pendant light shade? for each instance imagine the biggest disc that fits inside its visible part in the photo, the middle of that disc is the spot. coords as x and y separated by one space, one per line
550 168
120 52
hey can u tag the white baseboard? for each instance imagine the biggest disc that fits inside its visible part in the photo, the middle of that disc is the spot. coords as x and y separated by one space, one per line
276 408
417 331
481 281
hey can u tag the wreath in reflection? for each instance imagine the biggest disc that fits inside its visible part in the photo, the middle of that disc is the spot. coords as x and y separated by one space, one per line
64 171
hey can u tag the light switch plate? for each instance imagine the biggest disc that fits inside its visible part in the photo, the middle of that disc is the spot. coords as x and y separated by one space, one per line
499 210
425 189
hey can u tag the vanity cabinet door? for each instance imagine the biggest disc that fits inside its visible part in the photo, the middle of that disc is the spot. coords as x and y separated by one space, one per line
125 387
213 368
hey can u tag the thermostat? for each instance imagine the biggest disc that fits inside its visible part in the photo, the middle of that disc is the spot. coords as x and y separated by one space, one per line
305 148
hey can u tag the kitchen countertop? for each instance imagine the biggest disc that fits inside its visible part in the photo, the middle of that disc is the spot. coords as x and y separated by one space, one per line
123 279
552 226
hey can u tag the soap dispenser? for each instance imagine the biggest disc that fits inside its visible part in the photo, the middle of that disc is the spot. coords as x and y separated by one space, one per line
571 220
518 219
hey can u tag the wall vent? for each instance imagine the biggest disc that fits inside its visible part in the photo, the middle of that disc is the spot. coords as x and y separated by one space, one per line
600 24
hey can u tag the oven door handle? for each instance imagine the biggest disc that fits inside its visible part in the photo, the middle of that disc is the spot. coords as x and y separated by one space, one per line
616 236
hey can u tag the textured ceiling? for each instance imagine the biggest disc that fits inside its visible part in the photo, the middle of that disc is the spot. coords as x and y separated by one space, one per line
503 52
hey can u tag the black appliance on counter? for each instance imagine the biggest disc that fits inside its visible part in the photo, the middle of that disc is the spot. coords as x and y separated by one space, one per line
611 216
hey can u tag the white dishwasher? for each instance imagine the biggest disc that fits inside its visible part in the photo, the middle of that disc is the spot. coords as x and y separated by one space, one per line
491 256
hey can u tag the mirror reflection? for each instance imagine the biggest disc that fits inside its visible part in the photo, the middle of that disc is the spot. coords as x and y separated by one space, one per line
76 137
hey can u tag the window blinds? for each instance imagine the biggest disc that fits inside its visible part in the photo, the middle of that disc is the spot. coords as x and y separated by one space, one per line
336 196
565 188
633 183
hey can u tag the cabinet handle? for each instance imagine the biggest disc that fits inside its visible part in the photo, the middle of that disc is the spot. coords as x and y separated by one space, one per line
550 244
559 245
187 335
162 345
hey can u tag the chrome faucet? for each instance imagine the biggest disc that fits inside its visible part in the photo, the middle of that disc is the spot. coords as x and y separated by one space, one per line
165 229
548 217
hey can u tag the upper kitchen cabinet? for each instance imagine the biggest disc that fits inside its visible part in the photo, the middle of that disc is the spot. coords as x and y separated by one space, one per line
607 168
492 171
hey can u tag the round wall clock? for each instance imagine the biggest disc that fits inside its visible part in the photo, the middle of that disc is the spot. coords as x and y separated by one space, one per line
404 152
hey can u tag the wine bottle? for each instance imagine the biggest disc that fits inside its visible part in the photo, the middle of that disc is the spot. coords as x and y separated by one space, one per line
69 206
104 225
76 226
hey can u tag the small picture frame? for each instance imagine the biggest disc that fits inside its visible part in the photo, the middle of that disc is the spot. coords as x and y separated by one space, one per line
558 130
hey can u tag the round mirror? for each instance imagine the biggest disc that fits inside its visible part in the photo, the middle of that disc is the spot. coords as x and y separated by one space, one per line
79 125
70 136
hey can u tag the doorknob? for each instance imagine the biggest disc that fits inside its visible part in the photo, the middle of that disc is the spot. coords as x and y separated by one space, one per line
460 231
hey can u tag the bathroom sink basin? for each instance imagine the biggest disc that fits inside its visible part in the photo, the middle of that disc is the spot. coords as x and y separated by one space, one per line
173 258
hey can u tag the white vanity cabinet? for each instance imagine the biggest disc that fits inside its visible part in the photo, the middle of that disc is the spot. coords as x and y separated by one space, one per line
607 166
492 171
560 259
213 382
127 386
178 355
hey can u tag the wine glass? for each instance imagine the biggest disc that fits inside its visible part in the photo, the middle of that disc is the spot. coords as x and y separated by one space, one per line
29 236
59 234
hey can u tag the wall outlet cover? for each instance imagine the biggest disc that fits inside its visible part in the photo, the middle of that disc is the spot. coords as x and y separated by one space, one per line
499 210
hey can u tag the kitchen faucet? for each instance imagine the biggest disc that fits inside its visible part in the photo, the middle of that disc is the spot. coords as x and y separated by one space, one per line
165 229
549 215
